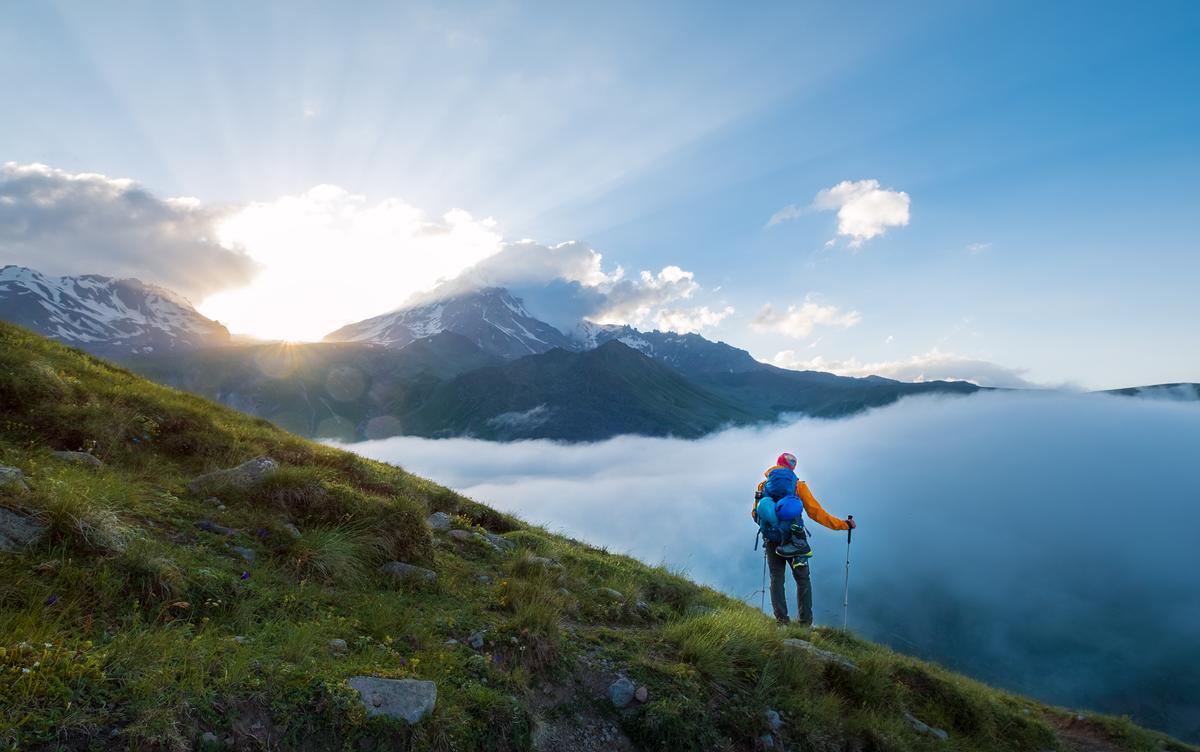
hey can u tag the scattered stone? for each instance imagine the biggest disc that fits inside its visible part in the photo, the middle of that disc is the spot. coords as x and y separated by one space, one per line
450 643
210 739
461 536
1080 717
822 655
292 531
438 521
768 741
642 608
12 479
549 564
81 458
476 641
18 531
609 593
406 699
209 526
498 543
924 728
338 646
240 639
484 579
246 553
621 692
241 477
402 571
642 694
213 501
774 720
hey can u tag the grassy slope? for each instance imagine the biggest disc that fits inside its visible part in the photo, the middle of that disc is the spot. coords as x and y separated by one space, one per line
117 630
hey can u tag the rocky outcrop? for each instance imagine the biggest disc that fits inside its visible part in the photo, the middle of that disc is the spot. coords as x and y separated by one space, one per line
438 521
409 572
12 480
79 458
409 700
793 643
241 477
18 531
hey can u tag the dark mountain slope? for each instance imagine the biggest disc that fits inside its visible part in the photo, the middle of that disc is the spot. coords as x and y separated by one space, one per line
575 396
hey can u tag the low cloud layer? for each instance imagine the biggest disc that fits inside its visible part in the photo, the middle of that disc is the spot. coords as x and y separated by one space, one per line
864 209
1044 542
54 221
934 365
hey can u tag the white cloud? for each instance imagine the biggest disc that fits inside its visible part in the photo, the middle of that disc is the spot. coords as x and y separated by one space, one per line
864 210
567 282
65 223
692 320
931 366
329 256
977 248
799 321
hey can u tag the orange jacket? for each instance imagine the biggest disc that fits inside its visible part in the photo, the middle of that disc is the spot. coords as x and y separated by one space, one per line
812 507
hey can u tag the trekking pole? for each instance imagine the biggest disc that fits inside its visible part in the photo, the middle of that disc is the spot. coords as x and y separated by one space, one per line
846 584
762 601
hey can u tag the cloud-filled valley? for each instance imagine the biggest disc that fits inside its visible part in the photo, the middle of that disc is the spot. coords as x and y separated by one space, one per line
1041 541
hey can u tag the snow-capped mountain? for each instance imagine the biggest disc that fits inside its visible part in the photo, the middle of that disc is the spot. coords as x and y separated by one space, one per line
492 318
105 315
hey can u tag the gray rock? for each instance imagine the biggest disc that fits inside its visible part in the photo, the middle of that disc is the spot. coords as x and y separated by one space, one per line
498 543
939 734
642 694
18 531
292 531
609 593
240 639
338 645
209 526
409 572
407 699
213 501
621 692
210 739
82 458
246 553
476 641
924 728
241 477
438 521
450 643
549 564
462 536
774 720
768 741
12 480
825 656
484 579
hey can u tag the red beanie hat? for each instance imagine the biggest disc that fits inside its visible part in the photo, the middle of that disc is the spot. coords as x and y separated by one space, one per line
787 459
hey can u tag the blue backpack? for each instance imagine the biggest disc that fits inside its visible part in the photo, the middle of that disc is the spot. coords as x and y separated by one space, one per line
777 518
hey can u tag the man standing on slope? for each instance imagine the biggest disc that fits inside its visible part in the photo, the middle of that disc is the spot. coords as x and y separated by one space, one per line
783 473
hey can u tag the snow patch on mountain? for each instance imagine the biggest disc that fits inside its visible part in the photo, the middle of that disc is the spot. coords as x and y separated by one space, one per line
103 314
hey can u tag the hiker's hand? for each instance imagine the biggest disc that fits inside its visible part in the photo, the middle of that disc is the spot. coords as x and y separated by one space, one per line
851 523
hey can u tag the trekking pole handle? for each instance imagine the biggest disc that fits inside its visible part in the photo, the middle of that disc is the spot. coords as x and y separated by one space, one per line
849 530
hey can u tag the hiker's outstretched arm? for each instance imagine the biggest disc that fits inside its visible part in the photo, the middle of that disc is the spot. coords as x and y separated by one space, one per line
816 512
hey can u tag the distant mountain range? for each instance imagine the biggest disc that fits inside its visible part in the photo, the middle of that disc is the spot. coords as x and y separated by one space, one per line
112 317
477 363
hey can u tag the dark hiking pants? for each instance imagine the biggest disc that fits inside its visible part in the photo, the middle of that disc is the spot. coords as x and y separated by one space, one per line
777 565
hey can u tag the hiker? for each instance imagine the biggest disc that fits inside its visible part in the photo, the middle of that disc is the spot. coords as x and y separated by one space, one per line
778 503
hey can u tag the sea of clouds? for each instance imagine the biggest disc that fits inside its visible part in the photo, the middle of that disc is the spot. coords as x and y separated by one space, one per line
1045 542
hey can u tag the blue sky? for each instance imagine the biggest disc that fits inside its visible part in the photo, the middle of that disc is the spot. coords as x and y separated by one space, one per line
1048 155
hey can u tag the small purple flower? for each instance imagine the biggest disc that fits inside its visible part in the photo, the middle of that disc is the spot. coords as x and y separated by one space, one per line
245 575
403 661
497 658
263 533
52 600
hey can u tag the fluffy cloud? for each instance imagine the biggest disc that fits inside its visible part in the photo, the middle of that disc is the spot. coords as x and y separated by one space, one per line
567 282
691 320
977 248
76 223
330 256
799 321
864 210
931 366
